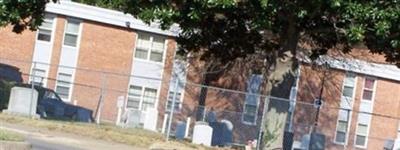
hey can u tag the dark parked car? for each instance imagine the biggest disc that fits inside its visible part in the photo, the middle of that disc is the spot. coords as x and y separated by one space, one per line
10 73
50 105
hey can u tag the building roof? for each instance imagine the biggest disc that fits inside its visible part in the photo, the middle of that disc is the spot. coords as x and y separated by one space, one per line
106 16
386 71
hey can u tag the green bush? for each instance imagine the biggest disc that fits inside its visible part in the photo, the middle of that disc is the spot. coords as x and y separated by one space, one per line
5 90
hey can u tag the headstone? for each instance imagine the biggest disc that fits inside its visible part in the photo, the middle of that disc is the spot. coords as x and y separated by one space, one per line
180 130
227 132
22 102
202 133
217 135
211 117
150 119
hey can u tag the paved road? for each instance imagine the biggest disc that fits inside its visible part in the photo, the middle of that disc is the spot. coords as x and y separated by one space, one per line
48 140
40 144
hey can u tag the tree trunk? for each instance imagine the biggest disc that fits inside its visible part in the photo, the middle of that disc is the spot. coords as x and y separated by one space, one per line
279 85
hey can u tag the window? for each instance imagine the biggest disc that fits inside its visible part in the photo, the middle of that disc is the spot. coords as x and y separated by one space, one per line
364 117
44 32
346 104
149 98
71 33
37 76
134 96
150 48
141 98
177 105
63 85
249 115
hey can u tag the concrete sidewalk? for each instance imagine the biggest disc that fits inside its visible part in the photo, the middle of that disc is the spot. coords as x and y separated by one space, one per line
42 139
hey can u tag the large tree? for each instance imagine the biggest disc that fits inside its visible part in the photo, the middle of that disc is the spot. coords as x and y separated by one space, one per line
222 31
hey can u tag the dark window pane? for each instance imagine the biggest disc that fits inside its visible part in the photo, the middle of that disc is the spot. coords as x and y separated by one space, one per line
141 53
340 137
63 92
348 91
360 140
156 56
369 83
367 95
249 118
70 39
44 35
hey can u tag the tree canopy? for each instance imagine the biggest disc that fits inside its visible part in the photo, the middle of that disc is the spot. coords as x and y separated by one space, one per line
22 14
234 28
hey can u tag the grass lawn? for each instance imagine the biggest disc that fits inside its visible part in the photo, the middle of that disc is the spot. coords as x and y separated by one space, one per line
129 136
10 136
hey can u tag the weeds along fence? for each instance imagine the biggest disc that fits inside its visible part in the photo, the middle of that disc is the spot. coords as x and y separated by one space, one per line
171 106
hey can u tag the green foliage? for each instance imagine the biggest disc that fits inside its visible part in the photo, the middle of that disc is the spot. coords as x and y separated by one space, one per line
235 28
5 90
22 14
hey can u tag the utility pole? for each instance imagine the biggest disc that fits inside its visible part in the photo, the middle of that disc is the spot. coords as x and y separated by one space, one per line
318 102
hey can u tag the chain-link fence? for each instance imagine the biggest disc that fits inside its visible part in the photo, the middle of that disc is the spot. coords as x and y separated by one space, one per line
175 108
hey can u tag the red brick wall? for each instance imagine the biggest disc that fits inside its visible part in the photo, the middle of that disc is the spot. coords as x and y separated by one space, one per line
165 82
386 102
56 51
103 48
17 47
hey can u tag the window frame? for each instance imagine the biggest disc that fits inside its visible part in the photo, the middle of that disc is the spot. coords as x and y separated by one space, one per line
258 97
149 50
141 97
180 101
32 78
53 19
371 102
78 34
70 83
349 113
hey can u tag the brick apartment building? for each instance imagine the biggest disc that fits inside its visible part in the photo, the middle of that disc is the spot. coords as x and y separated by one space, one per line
80 49
361 102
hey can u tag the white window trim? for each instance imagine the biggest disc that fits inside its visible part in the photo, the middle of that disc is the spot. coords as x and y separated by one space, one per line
180 101
54 25
51 42
70 88
44 78
147 60
372 110
141 97
256 115
350 112
78 44
79 35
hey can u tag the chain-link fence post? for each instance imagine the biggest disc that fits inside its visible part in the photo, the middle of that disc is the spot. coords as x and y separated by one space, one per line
33 77
101 98
262 124
172 107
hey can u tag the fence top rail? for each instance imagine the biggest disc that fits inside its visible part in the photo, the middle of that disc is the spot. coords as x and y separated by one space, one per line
267 97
